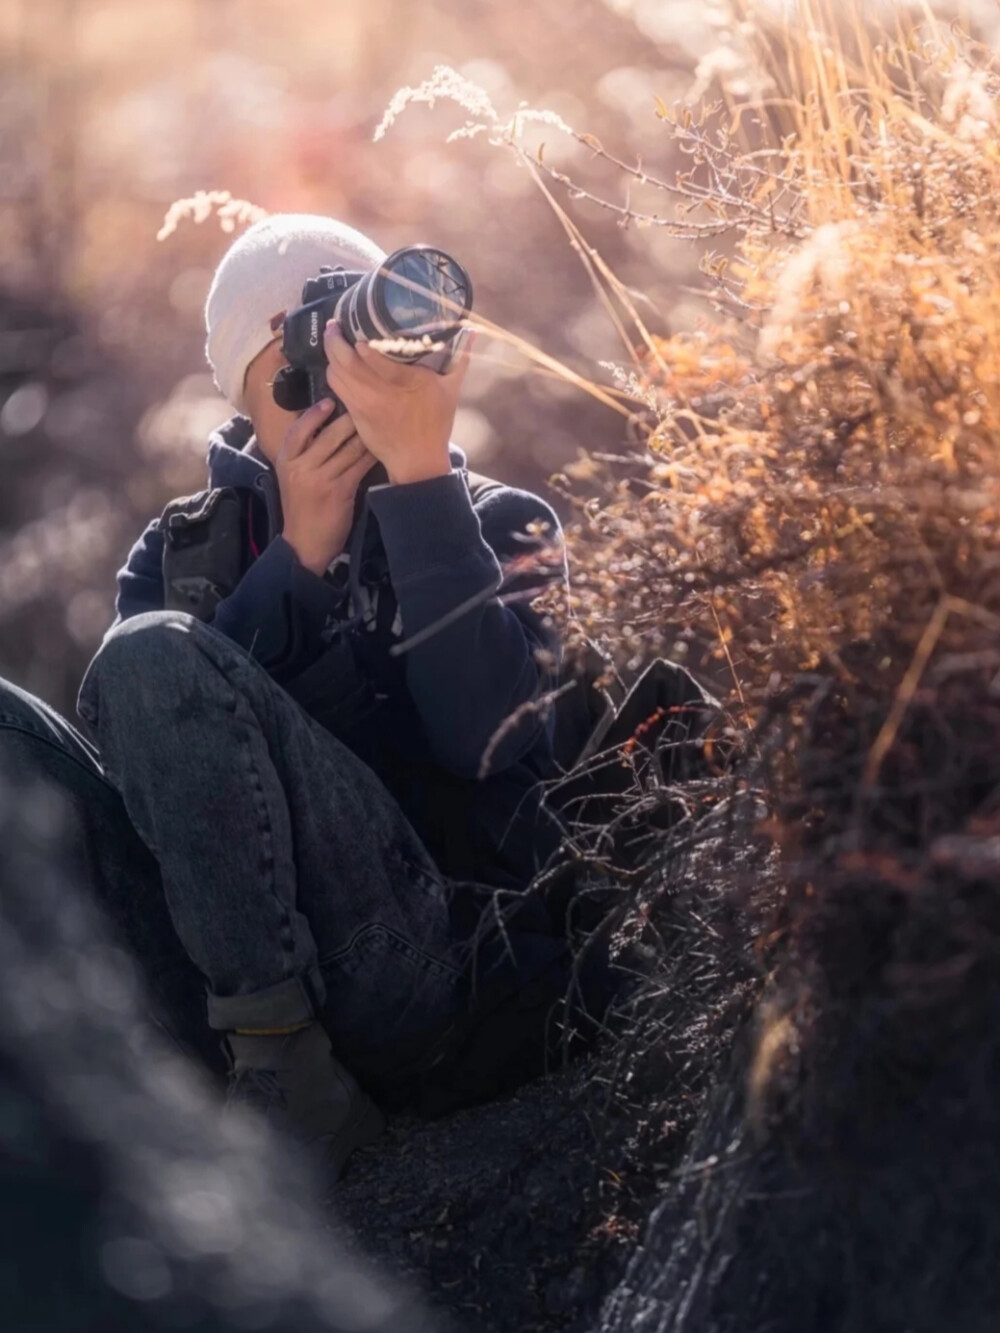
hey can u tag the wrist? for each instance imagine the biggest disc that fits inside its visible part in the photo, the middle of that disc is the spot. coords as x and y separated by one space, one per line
315 563
410 468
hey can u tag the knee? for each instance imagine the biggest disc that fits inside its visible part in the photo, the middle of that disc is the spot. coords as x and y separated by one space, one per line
139 657
24 712
149 643
18 708
38 744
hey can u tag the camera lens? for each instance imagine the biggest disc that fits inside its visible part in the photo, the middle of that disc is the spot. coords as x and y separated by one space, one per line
416 289
420 287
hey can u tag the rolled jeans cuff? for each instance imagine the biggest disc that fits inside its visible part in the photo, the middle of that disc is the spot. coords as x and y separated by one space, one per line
297 1000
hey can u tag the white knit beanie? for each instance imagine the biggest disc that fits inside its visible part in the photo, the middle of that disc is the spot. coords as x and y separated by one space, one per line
261 274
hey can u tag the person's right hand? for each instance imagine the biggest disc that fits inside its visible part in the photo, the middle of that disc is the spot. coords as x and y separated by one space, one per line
319 472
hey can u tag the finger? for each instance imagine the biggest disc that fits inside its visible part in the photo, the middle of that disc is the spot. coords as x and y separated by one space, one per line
345 361
331 437
357 470
337 450
345 460
404 375
304 427
462 359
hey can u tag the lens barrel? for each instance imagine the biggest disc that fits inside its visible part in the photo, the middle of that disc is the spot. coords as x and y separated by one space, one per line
418 289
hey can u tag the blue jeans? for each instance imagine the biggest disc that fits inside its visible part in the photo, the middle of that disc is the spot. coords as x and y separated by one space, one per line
237 844
94 840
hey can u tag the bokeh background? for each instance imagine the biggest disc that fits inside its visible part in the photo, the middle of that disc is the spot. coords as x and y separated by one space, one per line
110 110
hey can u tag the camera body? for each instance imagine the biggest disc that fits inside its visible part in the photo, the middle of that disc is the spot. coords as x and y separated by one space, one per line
303 381
418 293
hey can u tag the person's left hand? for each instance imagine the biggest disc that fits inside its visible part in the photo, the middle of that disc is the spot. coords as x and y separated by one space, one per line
404 413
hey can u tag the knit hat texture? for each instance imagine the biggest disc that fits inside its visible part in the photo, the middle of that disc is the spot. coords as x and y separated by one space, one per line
261 274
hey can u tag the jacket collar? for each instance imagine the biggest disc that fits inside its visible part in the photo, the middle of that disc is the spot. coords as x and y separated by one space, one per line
234 457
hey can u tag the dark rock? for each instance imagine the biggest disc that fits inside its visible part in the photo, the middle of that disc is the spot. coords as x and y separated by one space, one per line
129 1203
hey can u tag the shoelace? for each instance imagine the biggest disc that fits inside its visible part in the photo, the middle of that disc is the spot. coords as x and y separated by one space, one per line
258 1088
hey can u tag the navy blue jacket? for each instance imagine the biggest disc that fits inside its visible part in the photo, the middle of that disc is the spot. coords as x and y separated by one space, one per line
417 552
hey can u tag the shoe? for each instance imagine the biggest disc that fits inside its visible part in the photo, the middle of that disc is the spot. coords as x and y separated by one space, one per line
297 1083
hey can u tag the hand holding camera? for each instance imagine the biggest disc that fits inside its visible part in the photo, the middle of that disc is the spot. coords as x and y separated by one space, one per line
403 401
320 467
405 414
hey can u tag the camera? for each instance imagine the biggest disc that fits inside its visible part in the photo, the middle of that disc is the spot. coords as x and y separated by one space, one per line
418 293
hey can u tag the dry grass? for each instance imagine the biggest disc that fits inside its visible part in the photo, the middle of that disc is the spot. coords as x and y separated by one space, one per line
815 483
824 471
816 505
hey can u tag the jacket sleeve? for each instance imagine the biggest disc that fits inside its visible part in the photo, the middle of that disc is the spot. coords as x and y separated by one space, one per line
140 580
276 613
469 675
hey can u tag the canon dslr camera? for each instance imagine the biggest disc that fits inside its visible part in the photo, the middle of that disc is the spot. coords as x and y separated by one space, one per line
417 293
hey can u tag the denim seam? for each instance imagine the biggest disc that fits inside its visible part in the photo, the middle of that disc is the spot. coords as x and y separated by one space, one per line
399 943
286 938
229 661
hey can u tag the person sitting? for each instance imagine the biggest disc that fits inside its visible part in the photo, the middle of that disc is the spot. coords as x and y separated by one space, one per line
339 771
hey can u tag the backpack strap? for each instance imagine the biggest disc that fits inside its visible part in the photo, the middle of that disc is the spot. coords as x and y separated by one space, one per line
205 548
